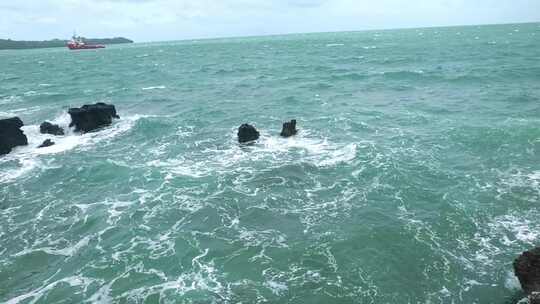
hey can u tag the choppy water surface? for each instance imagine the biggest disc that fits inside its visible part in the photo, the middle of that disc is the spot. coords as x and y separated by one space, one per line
415 177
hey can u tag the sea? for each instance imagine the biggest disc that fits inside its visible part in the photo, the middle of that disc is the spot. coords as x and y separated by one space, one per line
414 178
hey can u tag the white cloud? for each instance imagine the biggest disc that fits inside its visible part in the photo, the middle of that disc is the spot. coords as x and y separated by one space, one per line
177 19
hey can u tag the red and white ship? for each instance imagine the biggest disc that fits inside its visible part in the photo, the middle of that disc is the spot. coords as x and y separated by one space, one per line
77 43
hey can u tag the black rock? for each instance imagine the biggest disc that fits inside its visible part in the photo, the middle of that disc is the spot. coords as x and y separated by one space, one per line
527 270
11 135
247 133
289 129
49 128
92 117
46 143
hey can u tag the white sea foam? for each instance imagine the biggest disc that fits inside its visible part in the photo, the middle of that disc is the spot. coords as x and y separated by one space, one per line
203 277
184 131
319 152
342 155
161 87
115 210
510 232
277 288
516 229
102 295
334 44
265 238
16 112
521 179
534 178
524 301
10 100
25 165
67 251
30 93
511 281
180 167
38 293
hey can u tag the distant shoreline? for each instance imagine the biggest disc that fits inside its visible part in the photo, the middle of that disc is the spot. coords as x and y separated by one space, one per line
8 44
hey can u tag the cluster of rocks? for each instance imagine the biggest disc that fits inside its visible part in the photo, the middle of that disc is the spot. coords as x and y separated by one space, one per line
248 133
89 118
85 119
527 270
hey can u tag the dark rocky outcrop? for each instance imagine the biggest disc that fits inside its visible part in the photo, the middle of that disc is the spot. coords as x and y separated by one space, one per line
527 270
92 117
247 132
289 129
49 128
46 143
11 134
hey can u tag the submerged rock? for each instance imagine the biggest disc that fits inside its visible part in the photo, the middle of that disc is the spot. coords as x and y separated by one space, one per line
527 270
11 134
289 129
247 132
46 143
92 117
49 128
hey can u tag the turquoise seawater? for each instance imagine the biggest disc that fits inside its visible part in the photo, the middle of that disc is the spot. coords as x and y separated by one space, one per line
415 177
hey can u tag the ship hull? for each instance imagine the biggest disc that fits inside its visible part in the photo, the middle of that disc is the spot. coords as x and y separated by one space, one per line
84 47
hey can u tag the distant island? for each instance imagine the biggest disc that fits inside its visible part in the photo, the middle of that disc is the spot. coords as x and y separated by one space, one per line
8 44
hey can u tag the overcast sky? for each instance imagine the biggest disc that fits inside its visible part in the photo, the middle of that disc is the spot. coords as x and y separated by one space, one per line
155 20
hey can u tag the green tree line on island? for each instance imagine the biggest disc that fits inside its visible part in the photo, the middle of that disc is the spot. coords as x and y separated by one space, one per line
8 44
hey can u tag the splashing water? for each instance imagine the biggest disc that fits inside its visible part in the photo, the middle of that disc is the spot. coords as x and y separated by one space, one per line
414 177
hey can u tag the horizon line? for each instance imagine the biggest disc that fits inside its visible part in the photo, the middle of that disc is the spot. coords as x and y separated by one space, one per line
340 31
300 33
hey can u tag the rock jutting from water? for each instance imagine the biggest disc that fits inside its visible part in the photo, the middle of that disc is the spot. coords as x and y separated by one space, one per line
527 270
247 132
49 128
46 143
289 129
11 134
92 117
